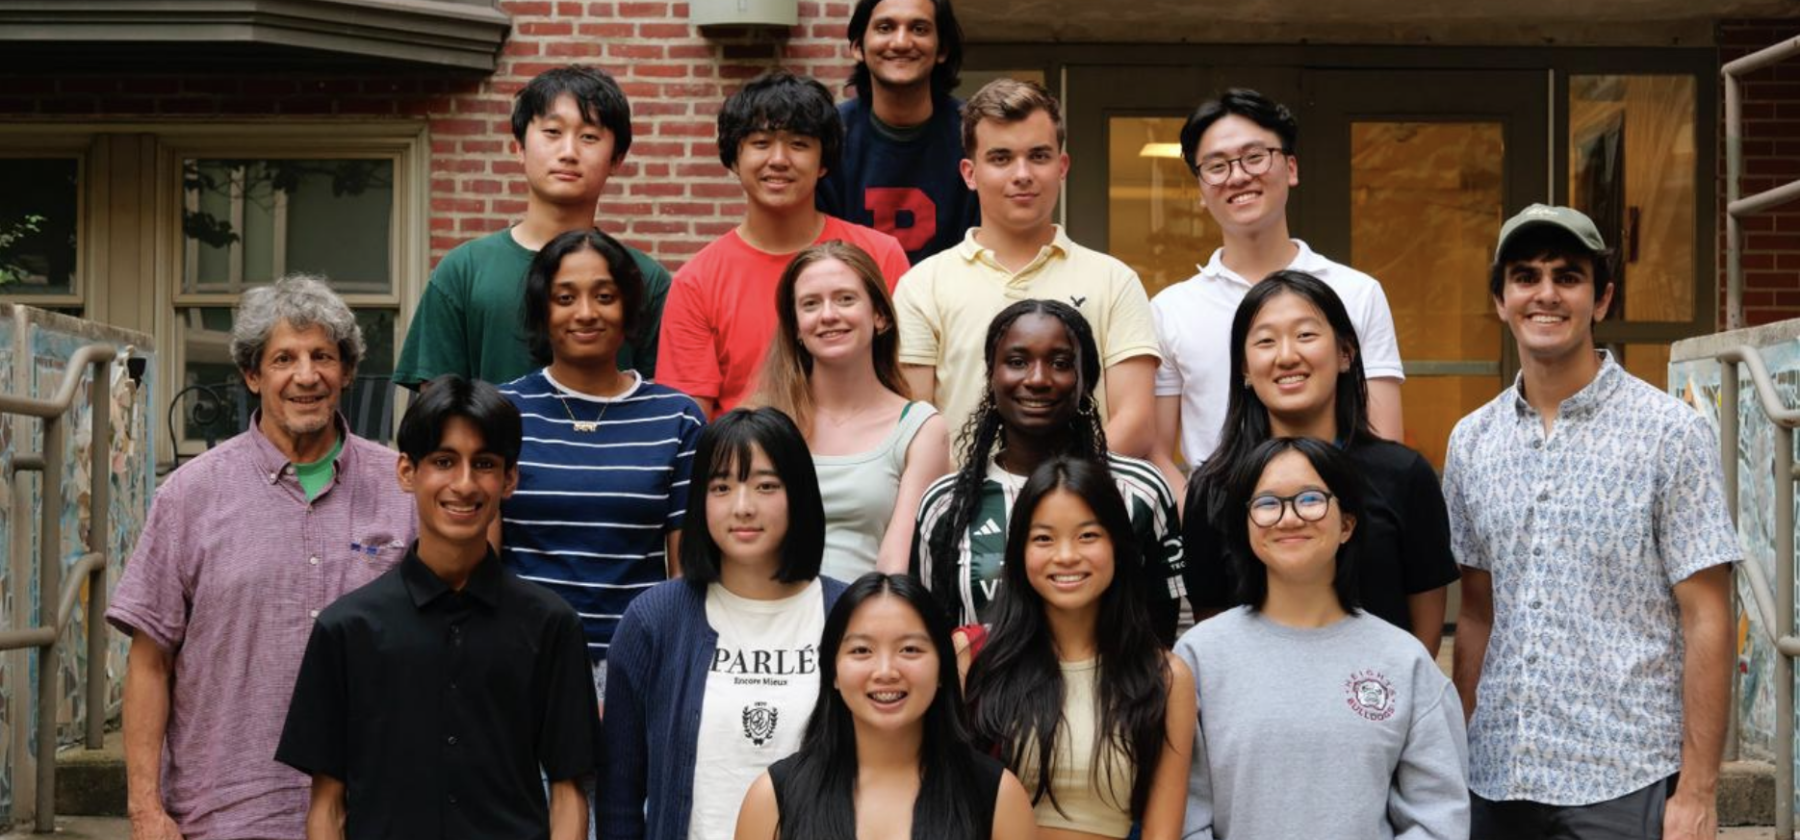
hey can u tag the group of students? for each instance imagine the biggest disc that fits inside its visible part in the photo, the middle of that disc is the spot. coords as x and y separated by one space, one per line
874 526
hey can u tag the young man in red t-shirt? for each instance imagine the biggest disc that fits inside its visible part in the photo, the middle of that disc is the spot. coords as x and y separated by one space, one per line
779 135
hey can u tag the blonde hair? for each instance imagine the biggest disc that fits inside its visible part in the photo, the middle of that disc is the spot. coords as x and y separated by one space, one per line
1009 100
785 383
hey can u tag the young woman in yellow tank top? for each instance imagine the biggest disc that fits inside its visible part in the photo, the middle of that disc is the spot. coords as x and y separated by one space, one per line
1071 688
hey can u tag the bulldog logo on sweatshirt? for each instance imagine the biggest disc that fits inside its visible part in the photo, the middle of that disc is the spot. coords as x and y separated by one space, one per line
1369 694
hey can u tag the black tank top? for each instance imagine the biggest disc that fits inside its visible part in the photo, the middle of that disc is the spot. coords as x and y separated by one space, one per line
982 797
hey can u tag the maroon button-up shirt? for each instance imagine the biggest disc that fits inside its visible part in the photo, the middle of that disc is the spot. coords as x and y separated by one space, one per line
231 569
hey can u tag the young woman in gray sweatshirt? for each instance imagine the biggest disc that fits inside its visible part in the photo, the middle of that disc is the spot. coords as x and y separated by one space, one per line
1316 720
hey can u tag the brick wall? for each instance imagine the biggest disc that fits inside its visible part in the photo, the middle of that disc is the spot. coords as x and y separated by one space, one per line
1771 158
670 197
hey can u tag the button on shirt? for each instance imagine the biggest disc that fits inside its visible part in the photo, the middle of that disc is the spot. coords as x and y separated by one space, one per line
232 566
436 707
1584 530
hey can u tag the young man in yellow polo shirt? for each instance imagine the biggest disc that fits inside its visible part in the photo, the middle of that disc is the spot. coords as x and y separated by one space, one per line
1014 161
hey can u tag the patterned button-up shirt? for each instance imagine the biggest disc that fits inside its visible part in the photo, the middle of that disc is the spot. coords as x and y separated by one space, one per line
231 569
1585 530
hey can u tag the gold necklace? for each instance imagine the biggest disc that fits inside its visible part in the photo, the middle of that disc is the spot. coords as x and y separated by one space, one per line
582 425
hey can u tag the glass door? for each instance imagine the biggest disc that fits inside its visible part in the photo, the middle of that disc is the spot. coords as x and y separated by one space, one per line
1409 177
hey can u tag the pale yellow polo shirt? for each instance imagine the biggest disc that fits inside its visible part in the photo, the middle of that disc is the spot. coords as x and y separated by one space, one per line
946 302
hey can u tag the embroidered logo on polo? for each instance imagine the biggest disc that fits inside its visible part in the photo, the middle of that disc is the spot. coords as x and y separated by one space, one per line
760 720
1370 695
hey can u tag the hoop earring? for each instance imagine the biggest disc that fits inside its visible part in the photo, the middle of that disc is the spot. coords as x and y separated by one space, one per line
1086 408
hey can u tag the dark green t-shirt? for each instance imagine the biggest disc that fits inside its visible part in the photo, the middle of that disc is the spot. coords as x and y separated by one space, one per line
471 319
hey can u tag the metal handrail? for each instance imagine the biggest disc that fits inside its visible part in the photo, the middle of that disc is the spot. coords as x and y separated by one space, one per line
91 566
1777 619
1734 170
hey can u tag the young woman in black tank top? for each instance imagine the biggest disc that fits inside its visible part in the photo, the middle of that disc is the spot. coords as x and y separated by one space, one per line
886 755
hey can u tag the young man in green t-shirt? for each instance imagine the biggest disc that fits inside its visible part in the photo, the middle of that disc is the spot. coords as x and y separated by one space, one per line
571 128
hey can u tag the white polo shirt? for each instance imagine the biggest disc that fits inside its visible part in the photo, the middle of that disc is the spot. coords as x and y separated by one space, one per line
1193 328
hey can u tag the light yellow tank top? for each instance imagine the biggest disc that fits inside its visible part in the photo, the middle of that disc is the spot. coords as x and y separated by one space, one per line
1093 795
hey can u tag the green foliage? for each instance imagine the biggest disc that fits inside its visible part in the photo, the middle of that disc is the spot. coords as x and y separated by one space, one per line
12 266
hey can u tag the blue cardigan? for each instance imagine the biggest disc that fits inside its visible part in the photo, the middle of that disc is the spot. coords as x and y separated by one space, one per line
655 684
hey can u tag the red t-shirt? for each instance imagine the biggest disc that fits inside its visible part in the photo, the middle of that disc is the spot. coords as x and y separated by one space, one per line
720 313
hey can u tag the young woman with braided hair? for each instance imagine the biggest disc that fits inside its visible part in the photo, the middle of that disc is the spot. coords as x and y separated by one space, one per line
1042 365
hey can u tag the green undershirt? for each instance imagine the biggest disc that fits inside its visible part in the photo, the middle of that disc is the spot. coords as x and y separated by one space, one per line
314 476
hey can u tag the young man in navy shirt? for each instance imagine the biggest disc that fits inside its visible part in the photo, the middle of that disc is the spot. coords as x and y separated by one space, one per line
429 699
900 170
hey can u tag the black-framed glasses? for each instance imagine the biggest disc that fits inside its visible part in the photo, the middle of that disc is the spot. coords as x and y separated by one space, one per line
1309 505
1255 162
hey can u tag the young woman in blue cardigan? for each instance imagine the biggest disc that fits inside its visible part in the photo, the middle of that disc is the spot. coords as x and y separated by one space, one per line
713 676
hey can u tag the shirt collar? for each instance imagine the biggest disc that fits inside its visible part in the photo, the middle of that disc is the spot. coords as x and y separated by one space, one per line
1590 397
1306 259
273 464
425 586
970 250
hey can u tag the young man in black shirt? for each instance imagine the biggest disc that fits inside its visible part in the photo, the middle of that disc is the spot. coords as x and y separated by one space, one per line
428 700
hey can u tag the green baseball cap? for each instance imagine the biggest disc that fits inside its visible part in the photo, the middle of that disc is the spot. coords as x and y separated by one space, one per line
1568 218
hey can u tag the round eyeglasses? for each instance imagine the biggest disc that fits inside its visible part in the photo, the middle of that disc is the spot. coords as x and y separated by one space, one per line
1217 171
1309 505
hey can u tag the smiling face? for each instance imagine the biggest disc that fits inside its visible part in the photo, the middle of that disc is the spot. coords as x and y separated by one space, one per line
748 517
567 161
779 170
836 319
458 488
900 47
1068 554
297 382
1549 305
887 667
1035 377
1017 172
586 313
1246 204
1294 550
1292 359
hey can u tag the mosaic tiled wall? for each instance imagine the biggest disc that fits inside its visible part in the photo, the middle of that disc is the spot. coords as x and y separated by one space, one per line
1698 383
36 347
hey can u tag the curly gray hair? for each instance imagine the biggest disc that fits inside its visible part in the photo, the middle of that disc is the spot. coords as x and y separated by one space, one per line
302 300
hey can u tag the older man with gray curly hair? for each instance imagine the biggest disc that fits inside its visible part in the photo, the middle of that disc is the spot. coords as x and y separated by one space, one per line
244 546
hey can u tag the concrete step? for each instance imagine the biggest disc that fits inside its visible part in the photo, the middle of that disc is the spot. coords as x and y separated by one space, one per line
1747 793
91 783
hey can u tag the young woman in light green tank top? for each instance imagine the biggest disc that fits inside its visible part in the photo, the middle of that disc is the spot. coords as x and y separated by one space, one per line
1071 687
834 366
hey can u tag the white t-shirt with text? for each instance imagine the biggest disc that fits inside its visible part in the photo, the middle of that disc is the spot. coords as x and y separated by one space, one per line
760 689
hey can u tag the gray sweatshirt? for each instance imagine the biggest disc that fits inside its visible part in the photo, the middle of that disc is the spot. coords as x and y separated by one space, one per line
1349 732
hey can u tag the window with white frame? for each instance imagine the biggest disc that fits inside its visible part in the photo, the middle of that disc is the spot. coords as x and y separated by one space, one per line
249 216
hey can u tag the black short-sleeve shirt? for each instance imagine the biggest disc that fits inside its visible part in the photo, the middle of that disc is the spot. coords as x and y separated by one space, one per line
1405 542
437 707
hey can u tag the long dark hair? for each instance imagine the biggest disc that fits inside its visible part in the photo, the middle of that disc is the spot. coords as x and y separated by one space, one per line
1016 685
1247 418
826 767
1343 481
725 448
1085 438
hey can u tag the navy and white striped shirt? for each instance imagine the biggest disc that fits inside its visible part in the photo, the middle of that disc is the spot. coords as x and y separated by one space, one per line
593 509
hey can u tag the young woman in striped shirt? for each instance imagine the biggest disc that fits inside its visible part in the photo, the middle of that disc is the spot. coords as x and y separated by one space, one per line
603 473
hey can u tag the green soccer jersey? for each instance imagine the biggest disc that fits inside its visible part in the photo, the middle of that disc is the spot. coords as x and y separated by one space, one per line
981 549
471 320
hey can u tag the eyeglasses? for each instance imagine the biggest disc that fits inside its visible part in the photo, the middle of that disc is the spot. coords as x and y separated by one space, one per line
1218 170
1309 505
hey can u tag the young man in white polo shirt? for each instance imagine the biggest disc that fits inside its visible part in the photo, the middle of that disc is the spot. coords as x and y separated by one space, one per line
1013 142
1241 147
